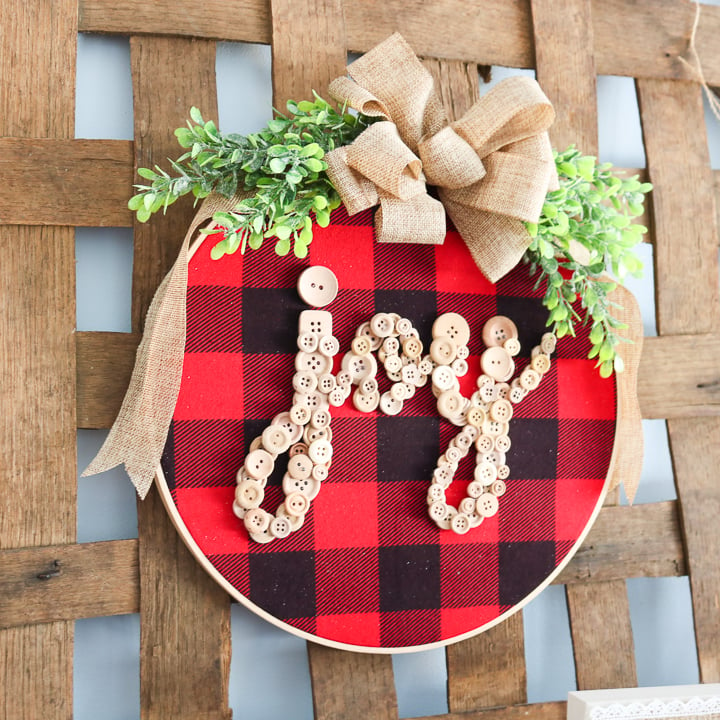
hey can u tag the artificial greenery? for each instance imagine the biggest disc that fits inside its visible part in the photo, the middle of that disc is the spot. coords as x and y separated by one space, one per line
280 173
280 168
584 231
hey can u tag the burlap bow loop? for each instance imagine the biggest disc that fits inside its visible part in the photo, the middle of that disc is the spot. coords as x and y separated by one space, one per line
492 168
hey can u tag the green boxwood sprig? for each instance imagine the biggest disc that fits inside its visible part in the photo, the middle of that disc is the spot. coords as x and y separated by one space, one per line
281 166
586 230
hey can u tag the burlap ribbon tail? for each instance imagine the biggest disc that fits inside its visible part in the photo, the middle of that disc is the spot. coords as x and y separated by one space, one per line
492 168
138 435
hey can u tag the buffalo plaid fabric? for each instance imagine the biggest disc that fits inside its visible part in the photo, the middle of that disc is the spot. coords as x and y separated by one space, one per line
369 568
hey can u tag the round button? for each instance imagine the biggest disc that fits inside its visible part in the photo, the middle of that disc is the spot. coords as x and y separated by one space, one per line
393 364
294 431
411 375
391 345
498 488
460 523
296 521
548 343
487 505
467 506
450 403
300 414
366 331
485 472
488 393
263 537
366 402
435 492
249 494
463 352
512 345
501 410
320 472
471 433
361 345
257 520
497 330
389 405
484 444
399 391
304 381
496 363
368 386
313 362
443 350
403 326
502 443
503 472
493 428
453 326
503 391
329 346
475 489
320 451
259 464
459 367
454 454
317 286
336 397
311 434
413 347
443 475
297 504
307 342
344 379
320 418
529 379
443 377
326 383
475 417
359 366
438 511
280 527
275 439
540 363
300 466
382 325
298 448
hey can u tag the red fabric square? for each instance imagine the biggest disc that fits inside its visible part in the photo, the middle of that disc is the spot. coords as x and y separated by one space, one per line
349 515
351 628
458 621
212 387
575 501
581 393
202 270
456 270
348 251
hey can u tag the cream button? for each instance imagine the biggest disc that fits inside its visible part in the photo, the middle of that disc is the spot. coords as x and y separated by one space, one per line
475 489
501 410
459 367
413 347
496 363
435 492
503 391
498 488
329 346
467 506
294 431
359 366
336 397
443 475
393 364
326 383
280 527
487 505
460 523
275 439
463 352
512 345
320 418
317 285
488 393
249 494
484 444
312 362
300 466
548 343
262 537
485 472
389 405
502 443
454 454
529 379
361 345
497 330
391 345
300 414
307 342
256 520
368 386
443 350
503 472
366 331
475 417
320 472
540 363
382 325
452 325
296 521
320 451
366 402
438 511
317 322
304 381
450 403
259 464
297 504
443 377
403 326
311 434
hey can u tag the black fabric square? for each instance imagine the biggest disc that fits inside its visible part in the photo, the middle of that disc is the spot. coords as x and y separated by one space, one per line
167 461
530 316
523 566
407 447
409 577
283 583
270 320
214 319
533 454
419 306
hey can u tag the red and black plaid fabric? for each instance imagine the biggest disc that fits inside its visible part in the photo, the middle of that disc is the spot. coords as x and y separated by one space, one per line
369 568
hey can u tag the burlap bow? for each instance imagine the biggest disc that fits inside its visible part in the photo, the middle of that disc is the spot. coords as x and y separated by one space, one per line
492 168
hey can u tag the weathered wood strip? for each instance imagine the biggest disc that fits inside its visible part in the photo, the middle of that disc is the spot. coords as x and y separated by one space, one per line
492 32
686 258
308 48
104 365
66 182
536 711
37 354
488 670
567 73
65 582
687 302
639 541
185 616
457 83
347 685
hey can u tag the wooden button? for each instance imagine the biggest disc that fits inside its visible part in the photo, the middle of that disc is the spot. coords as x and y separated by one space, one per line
498 488
501 410
382 325
359 366
540 363
450 403
249 494
312 362
487 505
459 367
317 322
502 443
512 345
443 377
435 492
320 472
320 451
460 523
496 363
329 346
403 326
275 439
259 464
443 350
300 414
389 405
475 489
300 448
467 505
366 402
485 472
529 379
393 364
443 474
497 330
317 286
307 342
257 520
548 343
475 417
336 397
300 466
412 347
294 431
297 504
280 527
366 330
391 345
503 472
452 325
361 345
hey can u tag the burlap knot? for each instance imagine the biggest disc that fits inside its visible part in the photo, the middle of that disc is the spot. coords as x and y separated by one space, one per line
493 167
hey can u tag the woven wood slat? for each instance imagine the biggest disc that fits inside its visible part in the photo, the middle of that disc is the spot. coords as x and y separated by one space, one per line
487 32
185 616
687 302
37 391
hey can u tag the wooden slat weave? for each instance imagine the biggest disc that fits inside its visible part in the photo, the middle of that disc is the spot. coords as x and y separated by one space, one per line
53 382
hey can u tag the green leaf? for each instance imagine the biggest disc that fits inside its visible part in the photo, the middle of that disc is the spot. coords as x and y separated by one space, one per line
135 202
277 165
196 116
219 250
314 165
146 173
282 247
143 214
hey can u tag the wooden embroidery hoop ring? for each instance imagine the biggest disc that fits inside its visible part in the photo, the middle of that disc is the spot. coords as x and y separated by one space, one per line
625 466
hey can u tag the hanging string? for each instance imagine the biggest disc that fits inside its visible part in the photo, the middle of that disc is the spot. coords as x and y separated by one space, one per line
696 65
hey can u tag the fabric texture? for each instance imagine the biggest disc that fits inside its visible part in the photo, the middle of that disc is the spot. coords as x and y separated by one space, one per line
369 568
